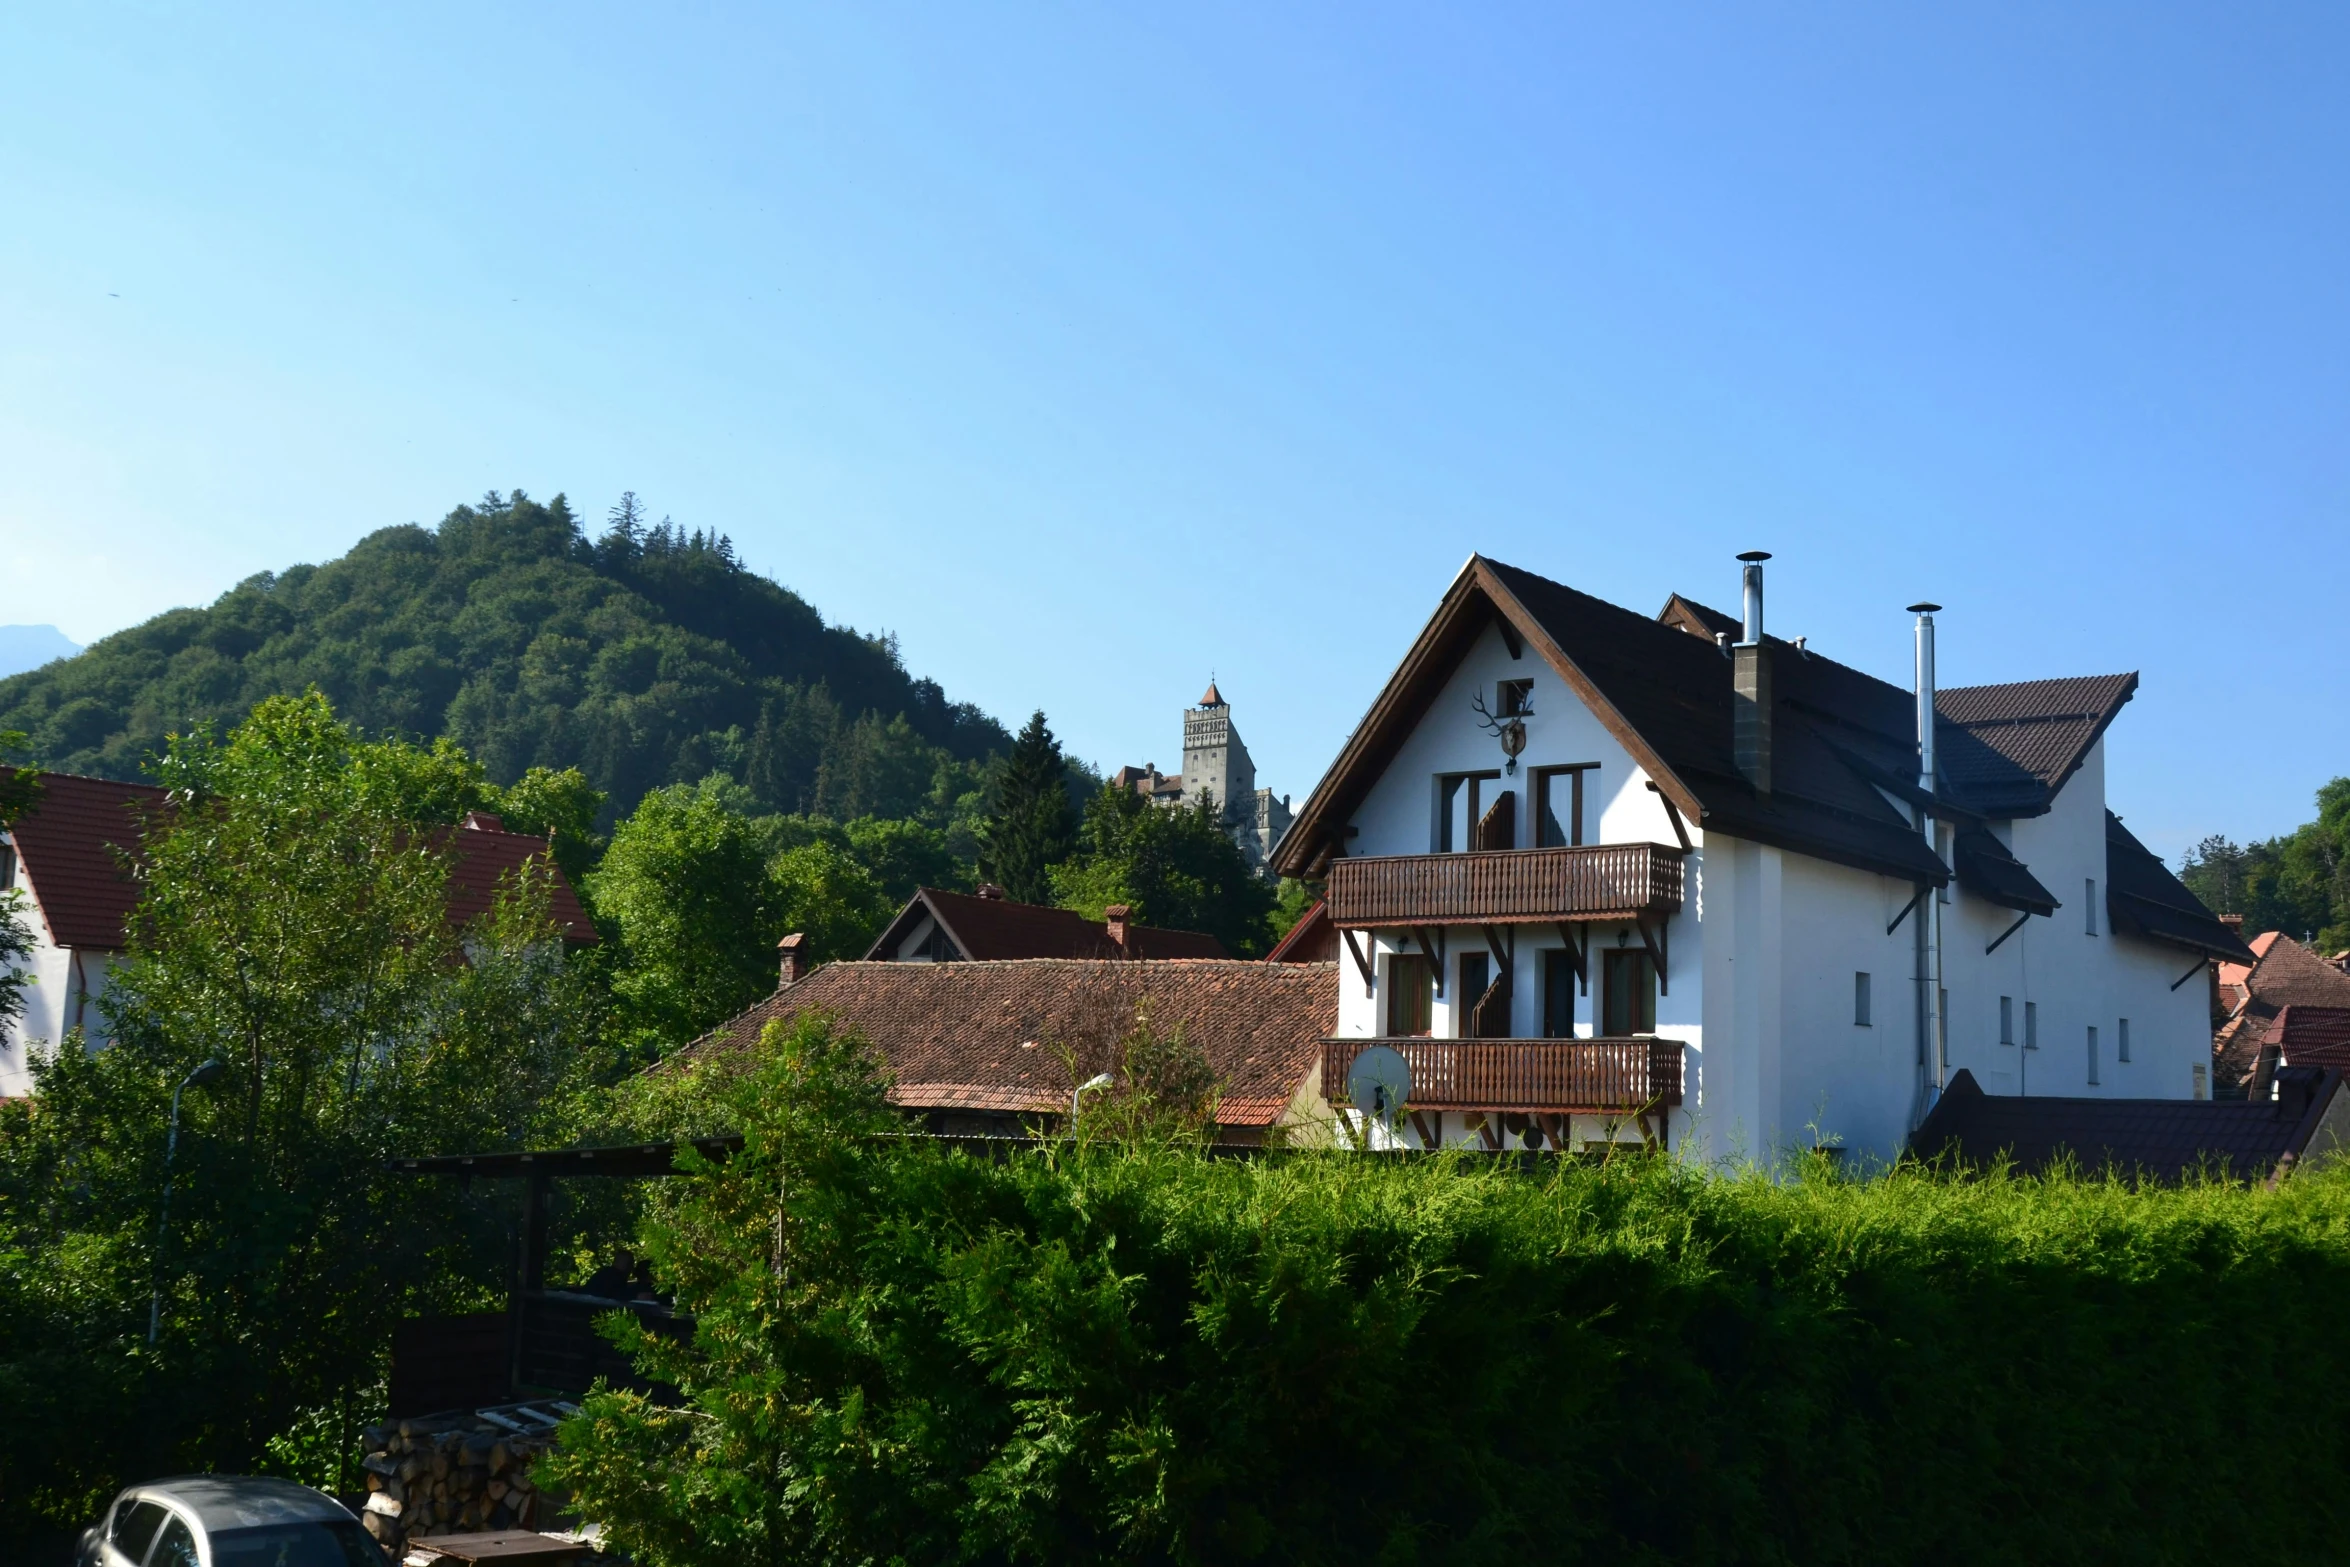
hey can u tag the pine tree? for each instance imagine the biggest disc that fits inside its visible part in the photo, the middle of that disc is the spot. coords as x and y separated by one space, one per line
1032 828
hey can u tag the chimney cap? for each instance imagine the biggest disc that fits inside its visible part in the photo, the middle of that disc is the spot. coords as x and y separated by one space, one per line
989 890
1925 609
1754 555
793 942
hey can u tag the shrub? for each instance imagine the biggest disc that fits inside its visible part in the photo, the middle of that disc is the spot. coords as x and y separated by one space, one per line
1094 1352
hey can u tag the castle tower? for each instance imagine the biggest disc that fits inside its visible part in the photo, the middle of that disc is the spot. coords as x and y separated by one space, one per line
1215 761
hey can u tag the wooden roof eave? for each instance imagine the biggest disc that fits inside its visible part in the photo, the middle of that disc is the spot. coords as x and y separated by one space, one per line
1306 848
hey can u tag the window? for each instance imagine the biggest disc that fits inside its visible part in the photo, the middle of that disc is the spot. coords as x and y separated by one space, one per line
2092 1055
2089 903
1517 698
1630 992
135 1526
1476 975
177 1548
2031 1025
1558 993
2121 1042
1558 805
1860 1001
7 867
2007 1020
1408 995
1455 825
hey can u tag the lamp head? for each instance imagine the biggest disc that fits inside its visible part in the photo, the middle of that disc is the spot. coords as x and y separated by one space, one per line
208 1072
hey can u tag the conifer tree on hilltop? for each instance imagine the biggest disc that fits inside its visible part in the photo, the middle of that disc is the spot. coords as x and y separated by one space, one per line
1032 827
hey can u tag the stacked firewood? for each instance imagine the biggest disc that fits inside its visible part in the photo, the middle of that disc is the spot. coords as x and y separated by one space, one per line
454 1474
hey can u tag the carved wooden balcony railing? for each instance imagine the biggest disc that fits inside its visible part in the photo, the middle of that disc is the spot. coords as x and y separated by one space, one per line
1592 1076
1506 886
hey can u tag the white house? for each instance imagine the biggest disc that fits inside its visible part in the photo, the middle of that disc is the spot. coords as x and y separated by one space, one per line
65 854
1599 875
71 854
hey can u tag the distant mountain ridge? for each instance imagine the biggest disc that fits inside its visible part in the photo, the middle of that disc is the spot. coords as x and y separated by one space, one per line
29 647
642 656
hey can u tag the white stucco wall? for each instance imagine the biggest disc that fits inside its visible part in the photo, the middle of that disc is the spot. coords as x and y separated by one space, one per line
62 997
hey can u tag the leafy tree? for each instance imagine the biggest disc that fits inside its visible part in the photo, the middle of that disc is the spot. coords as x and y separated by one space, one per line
1031 827
824 893
685 884
2298 883
560 807
19 787
1175 868
293 927
1294 901
903 855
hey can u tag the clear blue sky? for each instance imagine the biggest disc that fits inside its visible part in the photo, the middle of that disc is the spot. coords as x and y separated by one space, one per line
1089 347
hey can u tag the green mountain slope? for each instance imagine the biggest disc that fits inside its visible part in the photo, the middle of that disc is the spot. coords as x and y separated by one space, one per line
642 657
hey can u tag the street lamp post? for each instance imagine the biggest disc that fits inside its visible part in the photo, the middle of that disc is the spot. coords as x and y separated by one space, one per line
1077 1099
203 1073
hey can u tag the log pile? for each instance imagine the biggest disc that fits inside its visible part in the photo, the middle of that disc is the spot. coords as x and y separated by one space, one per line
455 1473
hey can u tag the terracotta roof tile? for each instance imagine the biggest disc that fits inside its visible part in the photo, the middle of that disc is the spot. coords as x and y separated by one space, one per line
998 930
72 844
2312 1036
989 1036
2290 975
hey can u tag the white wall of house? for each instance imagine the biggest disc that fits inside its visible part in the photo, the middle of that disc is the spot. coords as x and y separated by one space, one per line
62 997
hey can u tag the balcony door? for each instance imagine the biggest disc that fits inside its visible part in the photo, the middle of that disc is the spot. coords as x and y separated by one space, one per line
1409 990
1460 809
1628 999
1486 998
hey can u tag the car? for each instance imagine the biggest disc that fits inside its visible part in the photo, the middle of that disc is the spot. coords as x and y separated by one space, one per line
227 1521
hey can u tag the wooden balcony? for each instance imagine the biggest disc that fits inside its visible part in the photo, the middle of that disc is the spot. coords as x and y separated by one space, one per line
1609 881
1589 1076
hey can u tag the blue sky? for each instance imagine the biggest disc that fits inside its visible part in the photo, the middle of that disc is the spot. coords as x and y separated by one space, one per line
1091 348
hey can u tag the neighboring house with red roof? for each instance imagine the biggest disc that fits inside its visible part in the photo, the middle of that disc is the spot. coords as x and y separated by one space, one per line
993 1047
2252 1040
938 926
1590 868
70 855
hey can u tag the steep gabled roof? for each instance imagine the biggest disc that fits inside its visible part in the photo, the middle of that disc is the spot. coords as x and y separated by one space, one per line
1313 939
482 858
1664 695
2142 898
2284 973
991 1036
74 844
2156 1139
2008 749
987 929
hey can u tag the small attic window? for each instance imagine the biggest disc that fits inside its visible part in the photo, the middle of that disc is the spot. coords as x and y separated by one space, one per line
1517 698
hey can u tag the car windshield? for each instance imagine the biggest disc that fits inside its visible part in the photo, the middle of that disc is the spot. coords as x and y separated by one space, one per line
324 1543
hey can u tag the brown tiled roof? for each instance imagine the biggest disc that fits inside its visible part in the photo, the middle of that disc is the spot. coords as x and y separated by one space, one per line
72 844
2142 898
2312 1036
989 1036
73 840
2288 974
996 929
2160 1139
2235 1053
2007 749
480 859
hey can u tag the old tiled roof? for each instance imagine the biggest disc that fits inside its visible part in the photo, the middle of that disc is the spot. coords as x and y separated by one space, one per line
72 844
2142 898
481 859
2288 974
996 929
991 1036
2312 1036
2236 1047
74 840
2159 1139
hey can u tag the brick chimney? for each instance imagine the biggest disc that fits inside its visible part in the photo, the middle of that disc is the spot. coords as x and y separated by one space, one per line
988 889
2234 922
794 949
1114 918
484 821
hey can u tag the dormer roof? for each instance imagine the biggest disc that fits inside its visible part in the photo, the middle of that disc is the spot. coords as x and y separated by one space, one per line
996 929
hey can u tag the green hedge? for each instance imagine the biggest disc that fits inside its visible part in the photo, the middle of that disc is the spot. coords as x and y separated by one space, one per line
1098 1353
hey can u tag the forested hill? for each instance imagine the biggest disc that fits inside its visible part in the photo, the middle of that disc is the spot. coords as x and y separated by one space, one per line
642 656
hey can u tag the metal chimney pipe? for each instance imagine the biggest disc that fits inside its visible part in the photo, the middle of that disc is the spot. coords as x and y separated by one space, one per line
1933 1027
1752 631
1925 686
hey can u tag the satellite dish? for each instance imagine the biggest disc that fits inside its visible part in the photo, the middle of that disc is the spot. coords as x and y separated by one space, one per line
1380 1083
